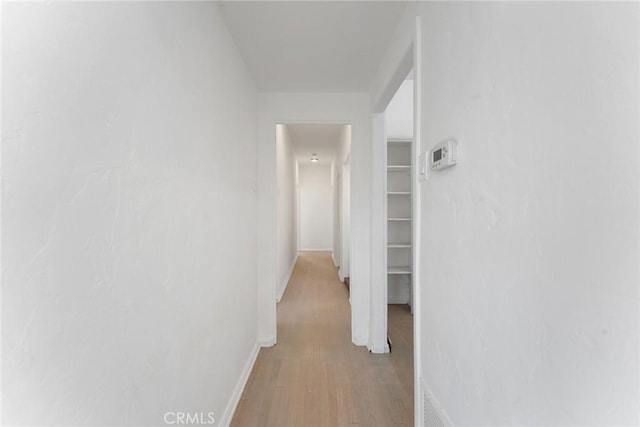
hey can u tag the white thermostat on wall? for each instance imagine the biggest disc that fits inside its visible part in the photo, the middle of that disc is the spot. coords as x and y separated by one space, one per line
444 155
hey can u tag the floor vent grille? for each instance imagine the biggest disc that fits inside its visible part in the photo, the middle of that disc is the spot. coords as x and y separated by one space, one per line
430 413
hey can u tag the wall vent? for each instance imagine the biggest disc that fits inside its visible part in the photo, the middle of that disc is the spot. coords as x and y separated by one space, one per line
431 415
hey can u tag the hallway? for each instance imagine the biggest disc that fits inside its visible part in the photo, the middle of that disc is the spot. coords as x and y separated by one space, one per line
314 376
479 160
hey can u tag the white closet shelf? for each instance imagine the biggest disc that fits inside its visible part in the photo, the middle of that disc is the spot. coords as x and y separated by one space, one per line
399 245
399 223
399 270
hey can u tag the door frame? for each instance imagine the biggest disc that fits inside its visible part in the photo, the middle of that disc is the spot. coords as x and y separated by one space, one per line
319 108
345 217
408 44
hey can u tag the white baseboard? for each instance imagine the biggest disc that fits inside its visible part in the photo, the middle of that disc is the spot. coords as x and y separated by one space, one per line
237 393
285 282
379 350
315 250
334 260
266 343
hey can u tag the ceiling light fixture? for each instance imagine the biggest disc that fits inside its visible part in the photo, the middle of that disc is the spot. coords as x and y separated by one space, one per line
314 157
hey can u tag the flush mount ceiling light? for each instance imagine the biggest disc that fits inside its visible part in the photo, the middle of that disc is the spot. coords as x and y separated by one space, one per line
314 157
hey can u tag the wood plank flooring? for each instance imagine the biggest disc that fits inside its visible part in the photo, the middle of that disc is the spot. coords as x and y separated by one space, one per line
314 376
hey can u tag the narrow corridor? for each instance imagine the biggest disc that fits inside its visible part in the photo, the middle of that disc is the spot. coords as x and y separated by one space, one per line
315 376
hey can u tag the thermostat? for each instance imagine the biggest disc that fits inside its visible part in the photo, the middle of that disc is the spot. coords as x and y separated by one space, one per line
444 155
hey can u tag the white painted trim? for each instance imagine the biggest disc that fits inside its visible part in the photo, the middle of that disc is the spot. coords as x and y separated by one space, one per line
297 206
416 226
338 269
315 250
346 227
379 349
378 243
1 186
331 108
230 410
285 282
395 64
267 343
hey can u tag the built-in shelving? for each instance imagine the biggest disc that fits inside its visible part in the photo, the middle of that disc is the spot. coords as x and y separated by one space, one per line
399 168
399 221
399 270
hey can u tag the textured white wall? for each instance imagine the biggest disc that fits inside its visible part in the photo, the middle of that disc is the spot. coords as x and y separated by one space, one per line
315 207
399 113
287 208
129 213
530 243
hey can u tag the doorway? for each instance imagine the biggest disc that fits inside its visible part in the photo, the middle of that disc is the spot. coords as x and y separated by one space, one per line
353 109
395 216
312 195
398 219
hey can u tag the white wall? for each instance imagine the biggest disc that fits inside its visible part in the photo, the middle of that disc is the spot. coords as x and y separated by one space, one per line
530 243
398 60
331 108
129 229
340 226
399 113
287 208
315 207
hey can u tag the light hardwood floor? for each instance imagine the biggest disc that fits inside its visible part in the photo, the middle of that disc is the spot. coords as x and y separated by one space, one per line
314 376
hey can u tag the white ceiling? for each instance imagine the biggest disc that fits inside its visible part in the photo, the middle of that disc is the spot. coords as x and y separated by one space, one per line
312 46
322 139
